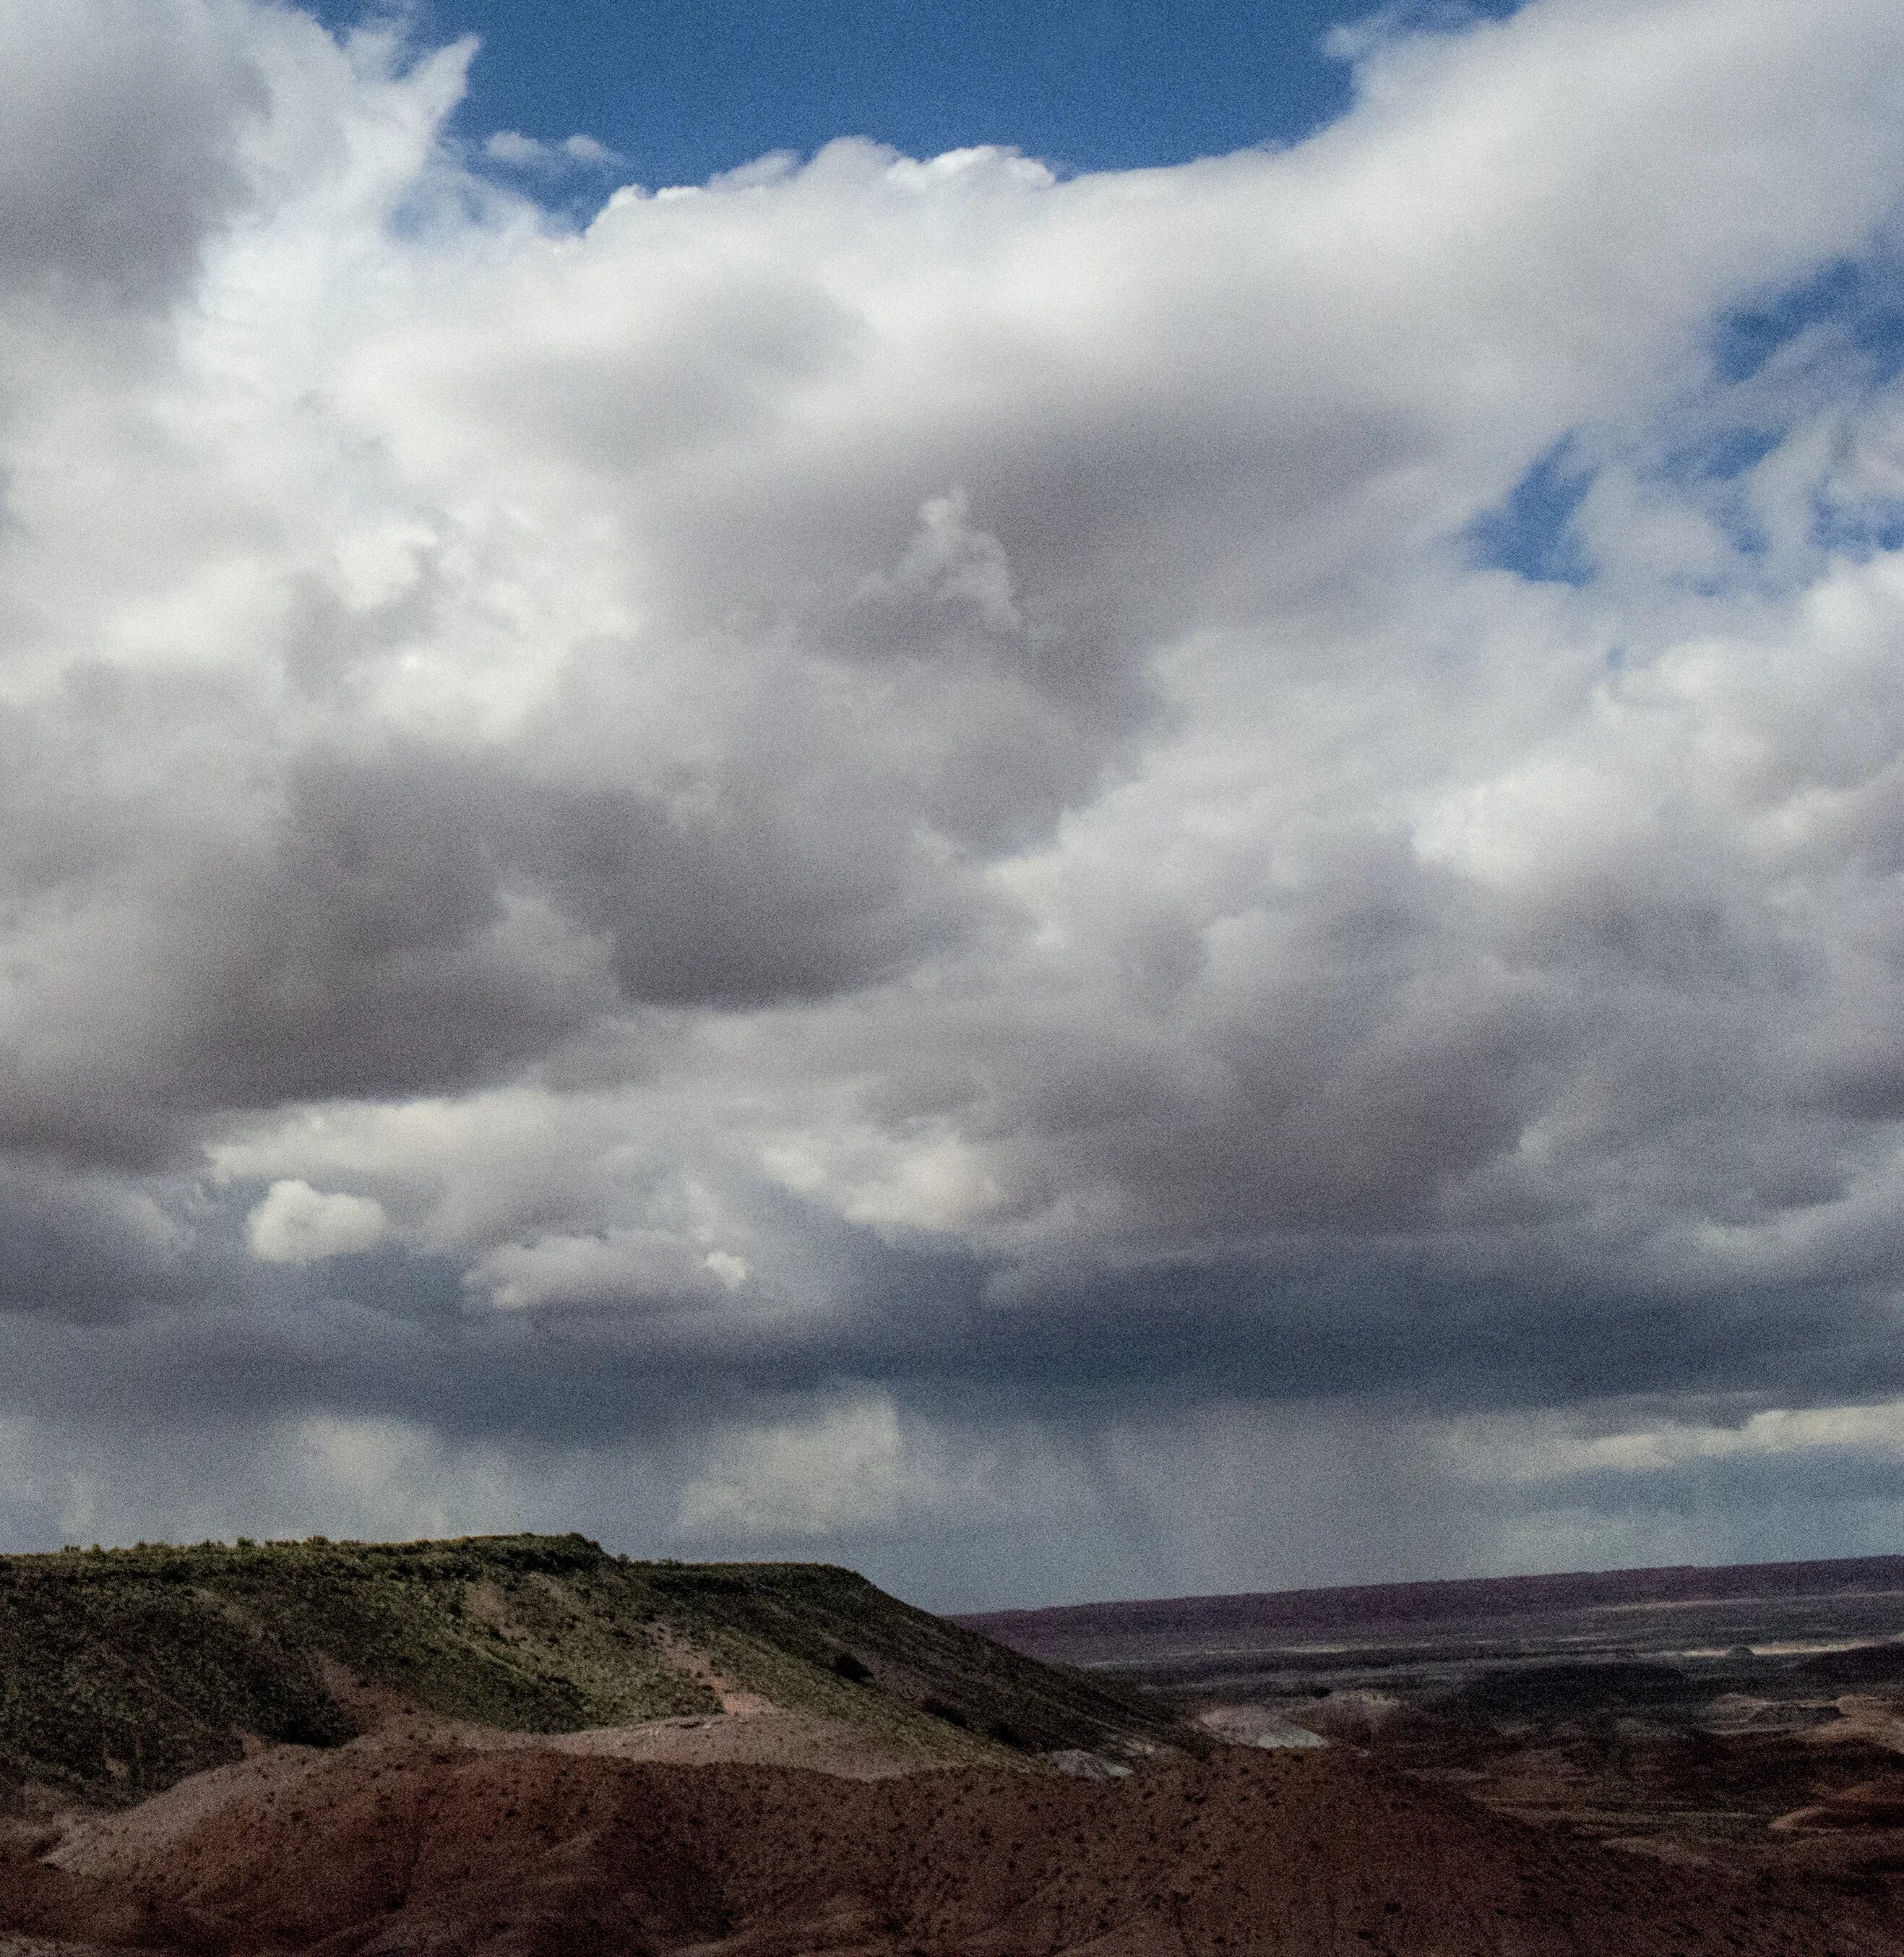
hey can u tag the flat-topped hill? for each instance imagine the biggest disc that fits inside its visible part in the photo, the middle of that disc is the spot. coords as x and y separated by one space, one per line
122 1671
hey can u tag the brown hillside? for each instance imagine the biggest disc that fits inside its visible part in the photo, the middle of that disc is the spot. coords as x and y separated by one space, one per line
421 1846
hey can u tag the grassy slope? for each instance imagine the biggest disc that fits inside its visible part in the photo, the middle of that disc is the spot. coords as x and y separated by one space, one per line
122 1671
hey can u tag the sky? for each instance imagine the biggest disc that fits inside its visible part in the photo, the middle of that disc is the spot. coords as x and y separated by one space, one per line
681 90
1101 804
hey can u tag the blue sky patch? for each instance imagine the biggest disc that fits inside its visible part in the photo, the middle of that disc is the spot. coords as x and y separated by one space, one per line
1862 304
1859 529
683 89
1722 455
1531 533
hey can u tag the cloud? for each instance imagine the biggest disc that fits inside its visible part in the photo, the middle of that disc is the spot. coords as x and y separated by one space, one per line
516 151
296 1223
626 1266
124 120
1255 800
805 1479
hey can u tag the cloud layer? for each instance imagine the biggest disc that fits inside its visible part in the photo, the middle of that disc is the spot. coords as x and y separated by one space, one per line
894 846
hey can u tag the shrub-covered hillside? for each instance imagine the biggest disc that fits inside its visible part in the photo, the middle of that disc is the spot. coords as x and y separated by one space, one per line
123 1670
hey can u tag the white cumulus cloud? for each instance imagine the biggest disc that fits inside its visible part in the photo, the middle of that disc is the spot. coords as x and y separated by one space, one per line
511 147
628 1266
296 1223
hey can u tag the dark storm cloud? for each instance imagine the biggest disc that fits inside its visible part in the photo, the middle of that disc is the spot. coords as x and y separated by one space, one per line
414 922
733 907
121 121
88 1251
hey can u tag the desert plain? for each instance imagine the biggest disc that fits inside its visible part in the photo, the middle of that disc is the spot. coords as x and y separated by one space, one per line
363 1752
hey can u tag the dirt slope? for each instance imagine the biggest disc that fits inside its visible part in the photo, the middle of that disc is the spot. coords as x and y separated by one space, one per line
126 1671
427 1849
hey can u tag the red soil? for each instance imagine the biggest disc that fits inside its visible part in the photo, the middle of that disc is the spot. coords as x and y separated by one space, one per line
428 1848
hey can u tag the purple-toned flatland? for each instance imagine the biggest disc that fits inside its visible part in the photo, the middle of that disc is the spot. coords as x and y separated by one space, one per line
1854 1598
